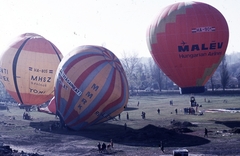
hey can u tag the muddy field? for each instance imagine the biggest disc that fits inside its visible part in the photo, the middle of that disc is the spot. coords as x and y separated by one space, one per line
140 136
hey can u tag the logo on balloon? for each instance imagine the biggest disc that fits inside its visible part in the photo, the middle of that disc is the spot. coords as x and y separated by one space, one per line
203 29
40 78
198 47
69 82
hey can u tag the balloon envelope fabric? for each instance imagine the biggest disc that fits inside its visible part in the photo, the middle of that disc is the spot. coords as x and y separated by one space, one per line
91 87
28 67
50 108
188 41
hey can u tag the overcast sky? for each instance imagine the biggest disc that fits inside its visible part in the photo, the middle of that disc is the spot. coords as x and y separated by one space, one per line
118 25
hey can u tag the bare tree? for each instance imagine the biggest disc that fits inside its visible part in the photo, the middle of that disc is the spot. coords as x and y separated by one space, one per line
235 71
212 84
130 62
156 73
213 80
224 74
140 76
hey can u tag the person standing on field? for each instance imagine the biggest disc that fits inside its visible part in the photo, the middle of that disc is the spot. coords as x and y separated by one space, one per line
206 132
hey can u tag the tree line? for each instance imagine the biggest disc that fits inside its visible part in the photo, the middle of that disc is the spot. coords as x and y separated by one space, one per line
144 74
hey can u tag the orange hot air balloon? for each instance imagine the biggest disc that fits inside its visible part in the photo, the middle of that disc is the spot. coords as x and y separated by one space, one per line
188 41
28 67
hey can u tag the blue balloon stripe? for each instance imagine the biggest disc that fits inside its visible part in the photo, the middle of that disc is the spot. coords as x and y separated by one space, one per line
79 57
95 102
98 59
103 98
116 106
84 85
102 95
79 80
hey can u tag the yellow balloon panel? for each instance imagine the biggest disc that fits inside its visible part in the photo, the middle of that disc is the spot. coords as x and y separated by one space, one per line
28 69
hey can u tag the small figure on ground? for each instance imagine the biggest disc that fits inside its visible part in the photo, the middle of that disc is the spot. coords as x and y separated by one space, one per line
161 146
24 115
158 111
176 110
127 116
99 147
197 107
111 143
104 147
192 99
50 127
8 109
206 133
109 149
138 104
110 146
143 115
119 116
171 102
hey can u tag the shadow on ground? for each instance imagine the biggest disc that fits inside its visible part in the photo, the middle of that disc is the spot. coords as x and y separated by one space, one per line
230 124
148 136
130 108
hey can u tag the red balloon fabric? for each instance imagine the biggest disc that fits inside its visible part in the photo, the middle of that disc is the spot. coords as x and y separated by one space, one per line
50 108
188 41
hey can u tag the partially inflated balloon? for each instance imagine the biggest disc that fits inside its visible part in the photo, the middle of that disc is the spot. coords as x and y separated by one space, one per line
91 87
28 68
188 41
50 108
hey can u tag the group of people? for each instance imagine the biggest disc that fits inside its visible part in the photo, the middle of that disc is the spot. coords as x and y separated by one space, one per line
143 114
26 116
105 148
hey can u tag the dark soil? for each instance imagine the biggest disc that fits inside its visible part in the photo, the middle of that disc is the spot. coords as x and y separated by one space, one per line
35 138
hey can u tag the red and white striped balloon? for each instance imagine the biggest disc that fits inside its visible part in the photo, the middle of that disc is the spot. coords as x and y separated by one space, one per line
91 87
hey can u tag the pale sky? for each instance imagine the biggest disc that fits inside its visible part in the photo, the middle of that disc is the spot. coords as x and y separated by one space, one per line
118 25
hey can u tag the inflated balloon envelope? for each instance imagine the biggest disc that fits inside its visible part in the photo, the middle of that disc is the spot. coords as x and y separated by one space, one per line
90 87
50 108
28 67
188 41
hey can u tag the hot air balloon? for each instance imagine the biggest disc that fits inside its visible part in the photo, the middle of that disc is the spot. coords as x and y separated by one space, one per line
50 108
28 67
90 87
188 41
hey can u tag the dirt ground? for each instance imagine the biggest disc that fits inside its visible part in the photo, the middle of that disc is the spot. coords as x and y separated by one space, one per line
140 137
